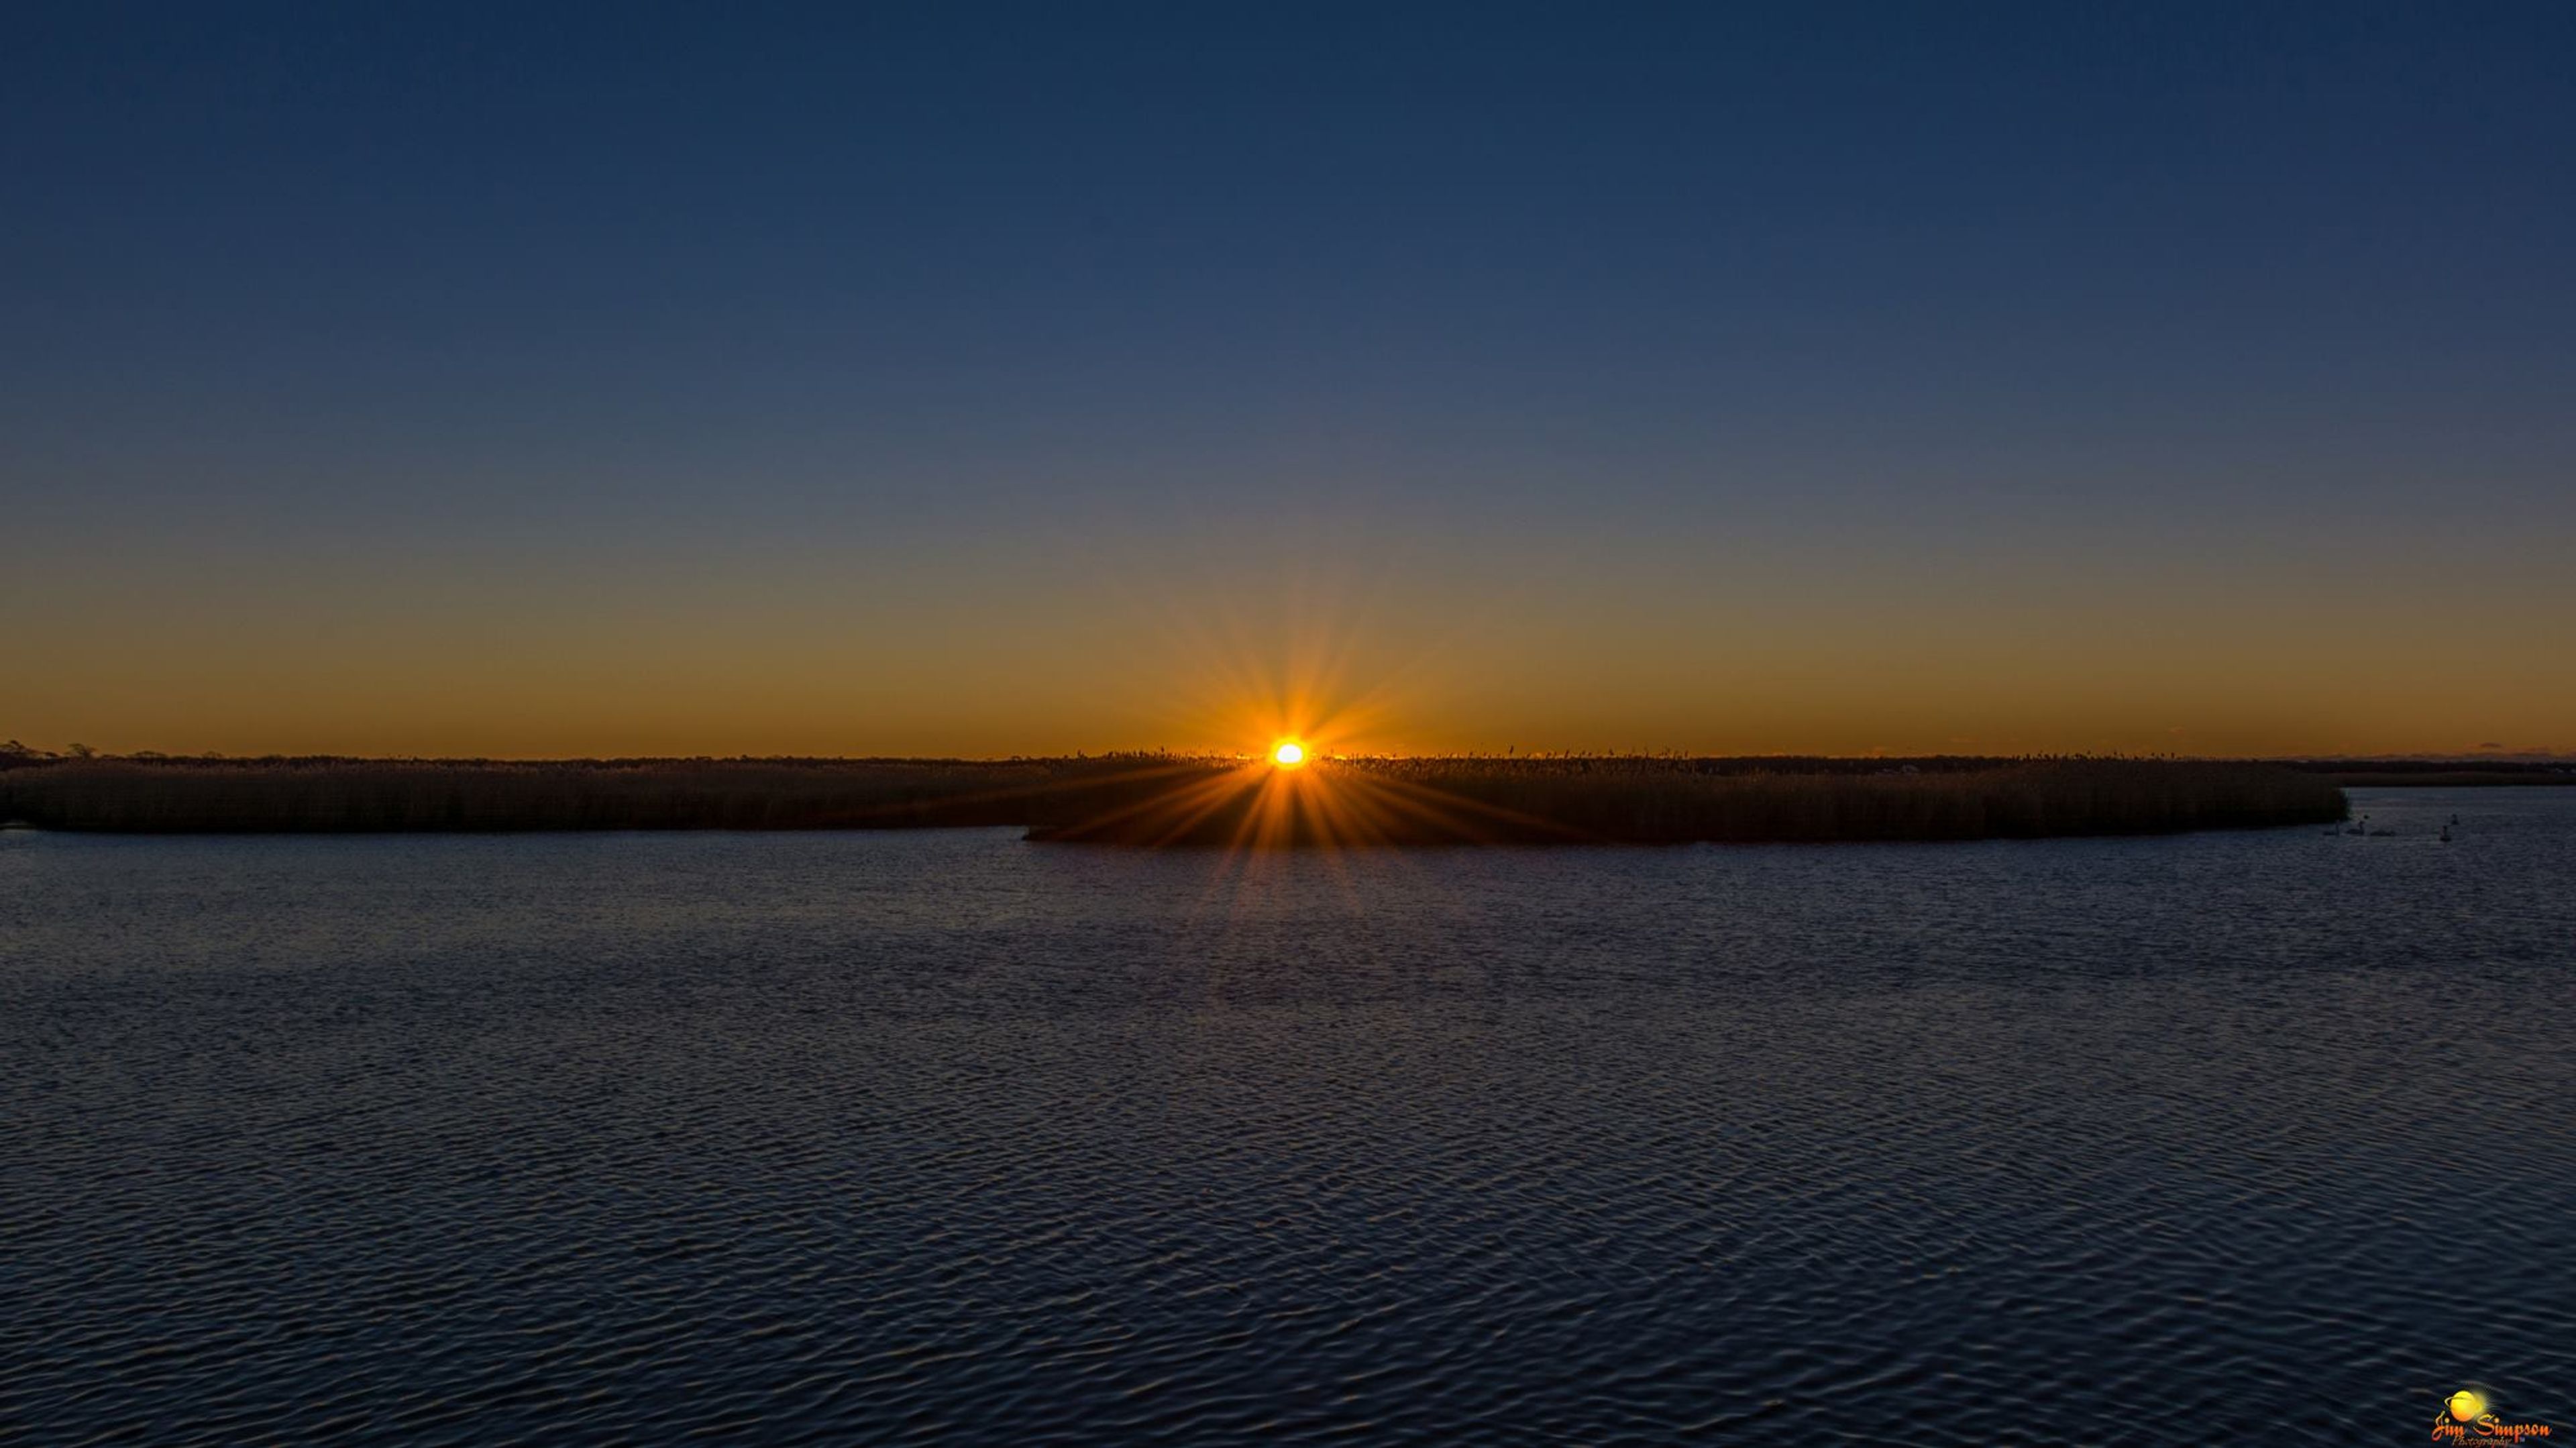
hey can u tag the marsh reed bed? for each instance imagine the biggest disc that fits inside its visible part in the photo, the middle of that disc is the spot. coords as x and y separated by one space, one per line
1177 800
328 795
1654 801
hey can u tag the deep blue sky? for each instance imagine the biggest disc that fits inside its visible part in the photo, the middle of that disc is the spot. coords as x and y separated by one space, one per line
1866 323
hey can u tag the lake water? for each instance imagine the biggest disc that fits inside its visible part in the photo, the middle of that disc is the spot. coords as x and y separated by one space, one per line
840 1138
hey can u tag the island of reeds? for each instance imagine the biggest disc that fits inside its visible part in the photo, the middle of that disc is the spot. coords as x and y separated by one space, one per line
1172 800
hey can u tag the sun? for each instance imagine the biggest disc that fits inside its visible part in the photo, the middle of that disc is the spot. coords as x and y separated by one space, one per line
1287 754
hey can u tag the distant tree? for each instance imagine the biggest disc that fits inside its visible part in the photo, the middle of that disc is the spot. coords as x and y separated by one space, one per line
80 751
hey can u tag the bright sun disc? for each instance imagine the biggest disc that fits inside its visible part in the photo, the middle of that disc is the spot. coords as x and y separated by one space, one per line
1288 754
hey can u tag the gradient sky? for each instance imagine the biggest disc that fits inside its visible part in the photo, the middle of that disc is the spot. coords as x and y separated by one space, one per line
984 379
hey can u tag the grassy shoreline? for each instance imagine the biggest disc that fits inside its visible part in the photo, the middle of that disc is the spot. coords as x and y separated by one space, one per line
1186 801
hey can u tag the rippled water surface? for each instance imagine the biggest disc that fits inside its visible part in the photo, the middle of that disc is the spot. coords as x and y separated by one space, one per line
945 1136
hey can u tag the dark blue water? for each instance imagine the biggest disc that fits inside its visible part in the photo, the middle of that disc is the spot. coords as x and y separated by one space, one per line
945 1136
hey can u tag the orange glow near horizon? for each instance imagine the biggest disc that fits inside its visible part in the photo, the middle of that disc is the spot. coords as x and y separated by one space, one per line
1343 646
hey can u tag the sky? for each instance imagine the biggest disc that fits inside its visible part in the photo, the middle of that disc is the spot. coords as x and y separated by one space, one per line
980 380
